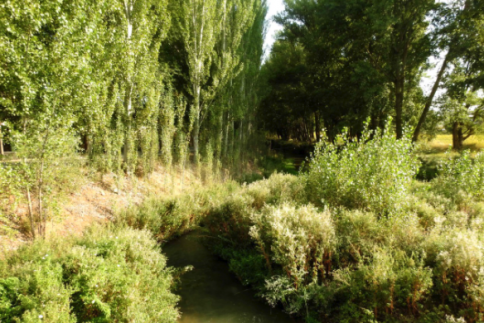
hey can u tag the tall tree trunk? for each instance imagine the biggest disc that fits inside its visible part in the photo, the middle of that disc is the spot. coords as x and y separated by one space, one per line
457 136
430 99
128 7
31 212
127 133
399 89
226 134
219 137
317 123
196 129
1 142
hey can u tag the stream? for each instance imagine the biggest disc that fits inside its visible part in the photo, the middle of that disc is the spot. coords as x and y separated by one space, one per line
210 293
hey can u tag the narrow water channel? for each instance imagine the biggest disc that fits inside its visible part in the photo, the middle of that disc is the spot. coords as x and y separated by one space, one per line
210 293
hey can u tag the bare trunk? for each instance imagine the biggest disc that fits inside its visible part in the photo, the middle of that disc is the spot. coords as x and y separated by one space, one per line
31 213
128 106
128 7
196 133
1 142
220 135
399 87
428 103
42 217
457 136
226 135
196 124
317 123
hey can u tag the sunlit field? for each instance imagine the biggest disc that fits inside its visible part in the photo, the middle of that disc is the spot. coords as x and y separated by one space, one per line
444 142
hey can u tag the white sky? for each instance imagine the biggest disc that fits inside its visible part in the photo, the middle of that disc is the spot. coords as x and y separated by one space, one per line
275 6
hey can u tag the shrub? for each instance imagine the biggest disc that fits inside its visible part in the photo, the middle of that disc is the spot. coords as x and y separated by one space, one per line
301 242
358 232
461 174
277 189
373 173
389 287
457 259
175 215
230 222
115 275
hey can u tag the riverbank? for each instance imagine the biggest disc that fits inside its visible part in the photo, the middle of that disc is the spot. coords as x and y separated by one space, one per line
91 198
356 238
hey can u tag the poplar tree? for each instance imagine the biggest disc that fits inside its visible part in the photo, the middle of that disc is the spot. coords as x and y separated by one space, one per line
143 24
238 17
44 53
198 22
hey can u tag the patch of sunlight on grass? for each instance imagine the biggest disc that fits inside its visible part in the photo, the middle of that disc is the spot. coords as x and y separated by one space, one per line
438 147
443 142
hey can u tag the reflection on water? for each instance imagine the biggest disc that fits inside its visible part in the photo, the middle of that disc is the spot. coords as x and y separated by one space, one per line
210 293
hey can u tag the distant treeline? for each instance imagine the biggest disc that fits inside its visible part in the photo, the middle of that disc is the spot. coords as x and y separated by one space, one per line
338 63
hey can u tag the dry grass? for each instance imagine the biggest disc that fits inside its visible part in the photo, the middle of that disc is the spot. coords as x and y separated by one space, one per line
98 199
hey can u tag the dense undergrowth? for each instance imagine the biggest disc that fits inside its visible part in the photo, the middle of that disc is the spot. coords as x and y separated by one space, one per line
354 239
357 238
108 275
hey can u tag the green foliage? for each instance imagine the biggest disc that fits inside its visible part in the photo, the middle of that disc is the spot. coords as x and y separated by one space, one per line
462 174
10 191
335 64
45 170
328 263
109 275
103 70
372 174
336 264
174 215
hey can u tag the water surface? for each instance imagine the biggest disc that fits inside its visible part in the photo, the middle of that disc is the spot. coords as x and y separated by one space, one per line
210 293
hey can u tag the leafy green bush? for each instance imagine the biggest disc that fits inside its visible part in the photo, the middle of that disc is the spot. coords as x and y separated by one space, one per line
389 287
462 174
230 221
109 275
353 265
457 259
373 173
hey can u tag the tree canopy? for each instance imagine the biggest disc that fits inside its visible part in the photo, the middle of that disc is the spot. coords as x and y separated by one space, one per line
335 64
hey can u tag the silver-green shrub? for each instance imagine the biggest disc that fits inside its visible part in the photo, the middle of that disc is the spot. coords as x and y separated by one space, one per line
301 240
